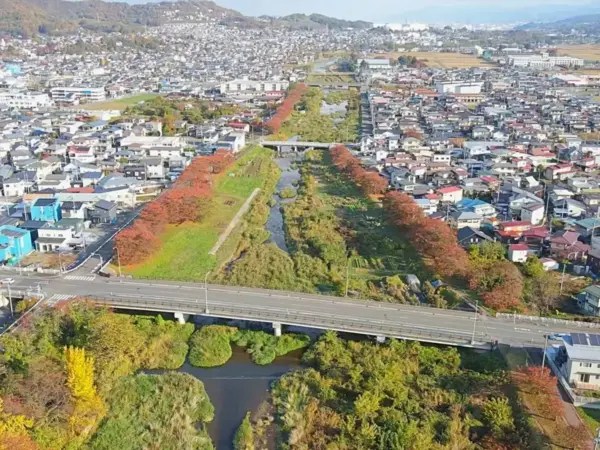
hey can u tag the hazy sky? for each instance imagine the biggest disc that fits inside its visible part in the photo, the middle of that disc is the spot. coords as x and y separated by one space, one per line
379 10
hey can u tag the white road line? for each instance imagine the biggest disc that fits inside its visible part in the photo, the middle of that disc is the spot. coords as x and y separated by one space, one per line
80 278
57 298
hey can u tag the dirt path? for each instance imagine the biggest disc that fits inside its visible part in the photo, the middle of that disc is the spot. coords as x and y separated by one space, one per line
245 207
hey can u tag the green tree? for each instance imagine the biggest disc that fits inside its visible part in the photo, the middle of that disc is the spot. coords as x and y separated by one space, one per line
497 415
244 436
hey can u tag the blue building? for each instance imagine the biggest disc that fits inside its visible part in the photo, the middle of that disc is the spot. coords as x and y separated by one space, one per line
46 210
15 244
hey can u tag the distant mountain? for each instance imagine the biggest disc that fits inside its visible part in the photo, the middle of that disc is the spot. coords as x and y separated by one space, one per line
29 17
492 12
585 23
32 16
303 21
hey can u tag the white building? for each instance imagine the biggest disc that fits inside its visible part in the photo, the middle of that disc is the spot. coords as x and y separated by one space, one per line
51 237
24 99
534 213
251 85
83 94
543 61
579 360
459 87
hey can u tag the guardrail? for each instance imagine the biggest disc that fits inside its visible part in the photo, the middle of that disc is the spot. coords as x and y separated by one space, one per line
322 321
551 320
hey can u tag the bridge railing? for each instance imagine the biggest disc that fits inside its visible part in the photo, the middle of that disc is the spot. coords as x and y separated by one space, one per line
323 321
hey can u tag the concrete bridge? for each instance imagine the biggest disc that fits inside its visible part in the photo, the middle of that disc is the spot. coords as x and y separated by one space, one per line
296 146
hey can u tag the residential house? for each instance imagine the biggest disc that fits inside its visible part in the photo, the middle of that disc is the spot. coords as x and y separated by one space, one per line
566 245
15 244
518 252
534 213
578 360
451 194
103 212
589 300
73 210
53 236
468 237
462 219
46 209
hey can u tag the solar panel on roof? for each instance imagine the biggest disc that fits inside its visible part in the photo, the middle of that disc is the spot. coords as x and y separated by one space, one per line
595 340
12 233
578 339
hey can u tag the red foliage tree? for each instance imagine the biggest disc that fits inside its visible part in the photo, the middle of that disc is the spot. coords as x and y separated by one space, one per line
285 108
136 243
370 182
433 239
187 200
500 283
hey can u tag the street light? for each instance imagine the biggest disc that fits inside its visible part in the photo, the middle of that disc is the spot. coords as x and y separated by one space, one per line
119 258
544 356
206 292
474 323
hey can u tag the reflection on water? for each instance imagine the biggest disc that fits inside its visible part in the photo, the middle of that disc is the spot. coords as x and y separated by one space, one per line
275 223
236 388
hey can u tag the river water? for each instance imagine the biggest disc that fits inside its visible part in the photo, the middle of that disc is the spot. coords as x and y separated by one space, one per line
275 223
236 388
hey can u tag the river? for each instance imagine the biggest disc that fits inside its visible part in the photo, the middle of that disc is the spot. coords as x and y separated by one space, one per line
275 223
236 388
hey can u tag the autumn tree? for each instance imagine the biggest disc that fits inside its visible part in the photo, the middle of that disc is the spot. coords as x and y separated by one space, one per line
80 373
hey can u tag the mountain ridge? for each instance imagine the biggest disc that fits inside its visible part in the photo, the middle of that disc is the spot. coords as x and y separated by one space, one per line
30 17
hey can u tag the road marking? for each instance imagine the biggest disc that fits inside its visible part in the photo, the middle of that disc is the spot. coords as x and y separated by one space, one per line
59 297
80 278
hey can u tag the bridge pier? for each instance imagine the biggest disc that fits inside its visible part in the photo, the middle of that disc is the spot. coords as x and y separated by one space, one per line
181 317
277 329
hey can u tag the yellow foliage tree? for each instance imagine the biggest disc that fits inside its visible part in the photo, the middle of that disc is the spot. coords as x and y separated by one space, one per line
89 408
13 427
80 373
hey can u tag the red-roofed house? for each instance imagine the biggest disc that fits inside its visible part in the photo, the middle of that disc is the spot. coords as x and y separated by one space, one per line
560 172
518 252
451 194
508 231
566 244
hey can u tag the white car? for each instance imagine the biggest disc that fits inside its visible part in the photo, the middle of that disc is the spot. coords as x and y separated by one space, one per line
8 281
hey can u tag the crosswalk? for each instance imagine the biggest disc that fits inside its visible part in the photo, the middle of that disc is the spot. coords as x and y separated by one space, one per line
57 298
80 278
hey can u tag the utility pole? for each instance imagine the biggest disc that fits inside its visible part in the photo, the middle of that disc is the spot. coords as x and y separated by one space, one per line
474 322
119 258
347 275
562 278
206 292
12 313
544 356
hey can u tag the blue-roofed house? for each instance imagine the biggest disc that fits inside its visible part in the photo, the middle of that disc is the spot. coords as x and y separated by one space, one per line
476 206
586 227
95 125
46 209
15 243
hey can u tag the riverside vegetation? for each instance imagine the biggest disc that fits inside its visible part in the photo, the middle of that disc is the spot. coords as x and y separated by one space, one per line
70 379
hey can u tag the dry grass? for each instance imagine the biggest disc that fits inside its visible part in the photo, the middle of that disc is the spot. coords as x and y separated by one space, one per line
444 60
48 260
587 52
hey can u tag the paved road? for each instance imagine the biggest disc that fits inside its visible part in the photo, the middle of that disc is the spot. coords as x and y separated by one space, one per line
190 298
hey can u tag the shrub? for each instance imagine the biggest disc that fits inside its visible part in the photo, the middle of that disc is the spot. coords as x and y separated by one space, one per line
287 193
210 346
244 437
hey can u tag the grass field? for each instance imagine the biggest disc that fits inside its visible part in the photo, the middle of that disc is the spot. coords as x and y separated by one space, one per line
331 77
587 52
120 104
444 60
184 254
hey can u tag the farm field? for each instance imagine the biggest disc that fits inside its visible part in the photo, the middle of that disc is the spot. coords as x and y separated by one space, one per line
587 52
444 60
184 253
331 77
120 104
